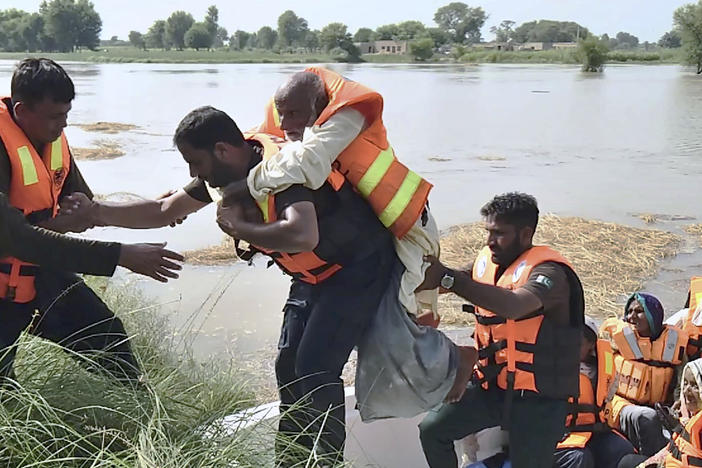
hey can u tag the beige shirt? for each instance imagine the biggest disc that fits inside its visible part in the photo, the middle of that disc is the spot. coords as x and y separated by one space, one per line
309 162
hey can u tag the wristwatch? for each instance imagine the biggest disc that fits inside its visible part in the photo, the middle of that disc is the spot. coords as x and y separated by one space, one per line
447 281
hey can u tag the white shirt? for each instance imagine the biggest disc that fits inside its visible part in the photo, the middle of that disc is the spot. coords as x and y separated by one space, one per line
309 162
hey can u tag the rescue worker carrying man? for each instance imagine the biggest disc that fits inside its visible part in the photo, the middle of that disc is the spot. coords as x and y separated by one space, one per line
646 354
340 258
589 441
339 123
349 135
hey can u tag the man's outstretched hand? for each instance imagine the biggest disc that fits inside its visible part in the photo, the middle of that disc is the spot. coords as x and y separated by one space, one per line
151 260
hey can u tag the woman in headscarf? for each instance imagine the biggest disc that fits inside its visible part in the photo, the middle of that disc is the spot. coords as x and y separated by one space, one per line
646 354
689 406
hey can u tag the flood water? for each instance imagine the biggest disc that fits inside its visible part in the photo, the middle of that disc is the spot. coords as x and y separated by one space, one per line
603 146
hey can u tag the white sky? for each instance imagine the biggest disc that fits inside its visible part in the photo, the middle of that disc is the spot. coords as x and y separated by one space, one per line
647 19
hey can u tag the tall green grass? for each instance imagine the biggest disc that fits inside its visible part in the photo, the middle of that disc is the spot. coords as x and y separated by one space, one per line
526 56
58 414
568 56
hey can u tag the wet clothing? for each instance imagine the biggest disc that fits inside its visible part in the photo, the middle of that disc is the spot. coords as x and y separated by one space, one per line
321 325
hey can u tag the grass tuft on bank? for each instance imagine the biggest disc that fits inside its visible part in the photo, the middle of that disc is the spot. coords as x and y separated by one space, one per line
60 414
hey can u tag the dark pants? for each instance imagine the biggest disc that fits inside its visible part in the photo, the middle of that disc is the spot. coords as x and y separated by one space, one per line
643 428
71 314
603 450
321 325
535 427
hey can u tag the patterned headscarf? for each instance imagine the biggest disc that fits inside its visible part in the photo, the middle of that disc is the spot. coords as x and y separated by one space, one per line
653 309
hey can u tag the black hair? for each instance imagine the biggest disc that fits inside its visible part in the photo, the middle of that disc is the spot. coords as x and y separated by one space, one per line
516 208
203 127
37 78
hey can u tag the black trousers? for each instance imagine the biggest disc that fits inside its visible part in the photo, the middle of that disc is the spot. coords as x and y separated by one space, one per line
69 313
536 424
321 325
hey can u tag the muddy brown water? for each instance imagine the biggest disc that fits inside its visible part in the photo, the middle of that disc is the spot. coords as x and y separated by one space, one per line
606 146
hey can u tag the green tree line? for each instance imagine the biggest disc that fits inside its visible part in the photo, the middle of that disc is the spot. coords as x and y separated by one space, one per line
60 25
67 25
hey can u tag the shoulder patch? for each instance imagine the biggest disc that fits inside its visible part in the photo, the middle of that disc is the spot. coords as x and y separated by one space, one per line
545 280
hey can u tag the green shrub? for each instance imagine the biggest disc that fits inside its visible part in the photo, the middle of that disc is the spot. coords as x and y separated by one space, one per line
592 53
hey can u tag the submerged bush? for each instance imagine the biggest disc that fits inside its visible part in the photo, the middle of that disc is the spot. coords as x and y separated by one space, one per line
592 53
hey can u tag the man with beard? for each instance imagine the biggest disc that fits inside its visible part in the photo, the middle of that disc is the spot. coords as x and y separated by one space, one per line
339 256
529 311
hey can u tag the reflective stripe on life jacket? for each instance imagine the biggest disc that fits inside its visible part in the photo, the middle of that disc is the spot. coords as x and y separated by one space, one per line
646 368
35 186
397 195
587 413
305 266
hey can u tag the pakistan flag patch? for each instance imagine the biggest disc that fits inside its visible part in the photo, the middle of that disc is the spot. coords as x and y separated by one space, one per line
545 280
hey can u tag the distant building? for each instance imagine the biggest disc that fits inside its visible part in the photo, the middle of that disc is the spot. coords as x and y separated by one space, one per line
565 45
547 45
494 45
365 47
382 47
536 46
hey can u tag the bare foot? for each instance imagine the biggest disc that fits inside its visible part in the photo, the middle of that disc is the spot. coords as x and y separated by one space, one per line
467 357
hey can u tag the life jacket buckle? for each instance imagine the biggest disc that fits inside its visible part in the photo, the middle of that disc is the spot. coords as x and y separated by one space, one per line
11 293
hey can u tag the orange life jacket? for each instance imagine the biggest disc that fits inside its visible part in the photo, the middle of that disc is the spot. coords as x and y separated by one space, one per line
532 354
646 368
685 448
695 309
397 195
305 266
35 186
587 413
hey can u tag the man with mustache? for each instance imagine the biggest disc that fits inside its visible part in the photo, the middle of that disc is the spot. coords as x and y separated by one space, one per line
37 173
529 311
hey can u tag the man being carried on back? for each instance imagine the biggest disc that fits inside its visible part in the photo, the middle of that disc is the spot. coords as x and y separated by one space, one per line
338 124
